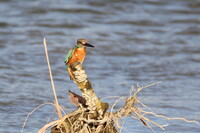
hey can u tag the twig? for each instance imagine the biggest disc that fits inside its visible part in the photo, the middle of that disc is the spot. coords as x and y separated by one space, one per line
52 83
31 113
173 118
53 123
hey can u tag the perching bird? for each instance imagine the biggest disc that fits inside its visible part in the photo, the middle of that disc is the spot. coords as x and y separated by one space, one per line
77 53
77 100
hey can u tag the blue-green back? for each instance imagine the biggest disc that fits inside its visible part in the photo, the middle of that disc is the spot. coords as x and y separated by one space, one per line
70 53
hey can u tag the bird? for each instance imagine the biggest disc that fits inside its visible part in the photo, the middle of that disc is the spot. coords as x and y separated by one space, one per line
77 100
76 54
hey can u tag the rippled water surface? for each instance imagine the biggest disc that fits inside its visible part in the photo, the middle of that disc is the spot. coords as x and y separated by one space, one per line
137 41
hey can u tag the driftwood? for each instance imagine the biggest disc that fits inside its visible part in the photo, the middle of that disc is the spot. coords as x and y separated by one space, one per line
92 118
91 115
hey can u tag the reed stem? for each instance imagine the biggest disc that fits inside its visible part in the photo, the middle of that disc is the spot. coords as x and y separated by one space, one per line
52 83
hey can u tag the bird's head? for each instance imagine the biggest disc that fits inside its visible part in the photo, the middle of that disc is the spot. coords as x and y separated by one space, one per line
84 42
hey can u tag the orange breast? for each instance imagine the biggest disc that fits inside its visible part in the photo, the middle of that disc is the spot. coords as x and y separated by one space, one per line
78 55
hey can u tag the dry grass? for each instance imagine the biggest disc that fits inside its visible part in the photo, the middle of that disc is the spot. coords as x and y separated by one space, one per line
52 82
135 111
131 108
24 124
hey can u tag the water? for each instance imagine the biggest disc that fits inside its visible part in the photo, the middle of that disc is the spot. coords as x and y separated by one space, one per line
141 41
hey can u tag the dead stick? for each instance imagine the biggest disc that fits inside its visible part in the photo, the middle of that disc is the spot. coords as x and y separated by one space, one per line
52 83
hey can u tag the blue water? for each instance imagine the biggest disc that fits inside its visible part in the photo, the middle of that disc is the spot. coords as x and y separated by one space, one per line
140 41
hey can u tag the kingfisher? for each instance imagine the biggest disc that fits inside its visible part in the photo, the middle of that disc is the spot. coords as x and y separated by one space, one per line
77 53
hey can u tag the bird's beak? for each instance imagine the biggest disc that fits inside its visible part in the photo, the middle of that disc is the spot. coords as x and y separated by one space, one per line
88 45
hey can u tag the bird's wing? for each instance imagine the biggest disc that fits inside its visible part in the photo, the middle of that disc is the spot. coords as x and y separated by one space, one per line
69 55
